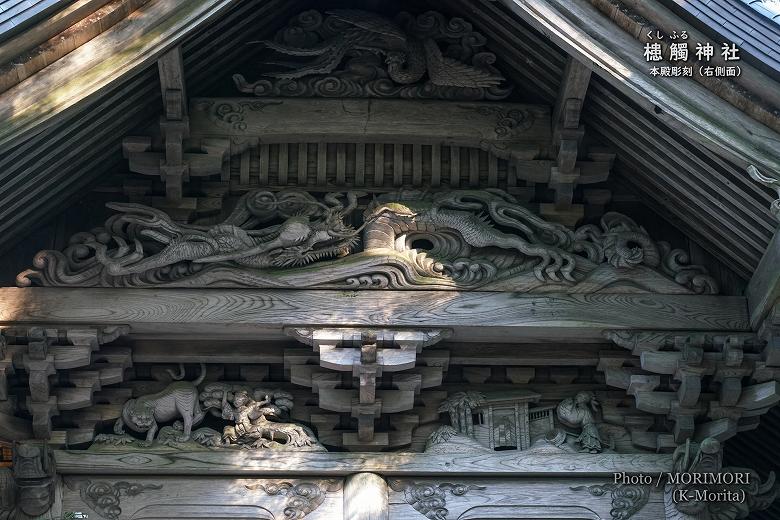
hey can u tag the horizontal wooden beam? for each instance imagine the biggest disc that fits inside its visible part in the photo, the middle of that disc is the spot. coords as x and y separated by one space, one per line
273 352
292 464
473 316
763 290
395 121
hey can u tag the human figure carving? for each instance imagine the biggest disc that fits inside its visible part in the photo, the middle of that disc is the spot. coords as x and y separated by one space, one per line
254 429
581 412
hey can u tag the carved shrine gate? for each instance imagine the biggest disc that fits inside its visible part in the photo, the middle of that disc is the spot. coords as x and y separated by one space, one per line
374 285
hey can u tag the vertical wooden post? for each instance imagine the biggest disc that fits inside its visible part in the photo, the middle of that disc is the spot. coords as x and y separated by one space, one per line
365 497
174 124
491 432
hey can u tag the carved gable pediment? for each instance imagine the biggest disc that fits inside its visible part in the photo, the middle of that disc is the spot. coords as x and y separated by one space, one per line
356 53
449 240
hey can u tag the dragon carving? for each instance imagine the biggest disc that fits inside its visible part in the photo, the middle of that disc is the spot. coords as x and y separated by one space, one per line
474 220
163 249
356 53
459 239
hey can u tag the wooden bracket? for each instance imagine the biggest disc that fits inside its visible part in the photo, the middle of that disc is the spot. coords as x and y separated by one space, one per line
174 165
67 353
701 364
367 353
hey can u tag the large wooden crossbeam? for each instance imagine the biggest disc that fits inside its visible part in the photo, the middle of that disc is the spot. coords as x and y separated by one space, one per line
293 464
473 316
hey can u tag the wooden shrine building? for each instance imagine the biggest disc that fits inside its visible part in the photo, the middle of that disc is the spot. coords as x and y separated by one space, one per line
446 260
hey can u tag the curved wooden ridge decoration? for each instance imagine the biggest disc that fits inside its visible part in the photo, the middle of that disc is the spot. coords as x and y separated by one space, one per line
456 240
355 53
770 182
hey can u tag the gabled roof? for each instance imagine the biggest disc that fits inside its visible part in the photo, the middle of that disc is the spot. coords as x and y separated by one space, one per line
679 145
15 15
754 25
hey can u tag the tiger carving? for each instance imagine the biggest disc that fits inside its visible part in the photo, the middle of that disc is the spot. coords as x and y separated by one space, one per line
179 400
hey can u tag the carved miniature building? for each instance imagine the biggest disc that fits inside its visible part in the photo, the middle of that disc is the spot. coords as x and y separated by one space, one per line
387 260
505 421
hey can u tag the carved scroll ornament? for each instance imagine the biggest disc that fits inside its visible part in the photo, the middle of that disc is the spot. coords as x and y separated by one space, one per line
302 498
430 499
627 500
355 53
105 498
459 240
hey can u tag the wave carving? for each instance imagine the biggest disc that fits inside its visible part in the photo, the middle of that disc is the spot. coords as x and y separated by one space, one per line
452 240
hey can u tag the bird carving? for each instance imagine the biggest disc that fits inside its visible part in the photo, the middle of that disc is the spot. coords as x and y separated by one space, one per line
408 57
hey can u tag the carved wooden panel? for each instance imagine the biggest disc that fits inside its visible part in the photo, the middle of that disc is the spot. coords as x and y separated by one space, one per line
120 498
478 499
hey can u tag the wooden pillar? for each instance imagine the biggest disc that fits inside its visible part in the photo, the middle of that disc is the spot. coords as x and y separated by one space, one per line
365 497
491 431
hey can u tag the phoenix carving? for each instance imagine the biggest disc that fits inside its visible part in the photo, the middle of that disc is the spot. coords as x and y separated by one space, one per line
357 53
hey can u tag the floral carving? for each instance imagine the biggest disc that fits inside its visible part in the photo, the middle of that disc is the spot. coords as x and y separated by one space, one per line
627 500
104 498
430 500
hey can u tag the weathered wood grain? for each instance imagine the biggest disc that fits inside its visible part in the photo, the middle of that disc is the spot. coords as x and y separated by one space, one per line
763 290
57 34
157 497
391 121
684 105
505 317
73 79
296 464
46 29
365 497
528 498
